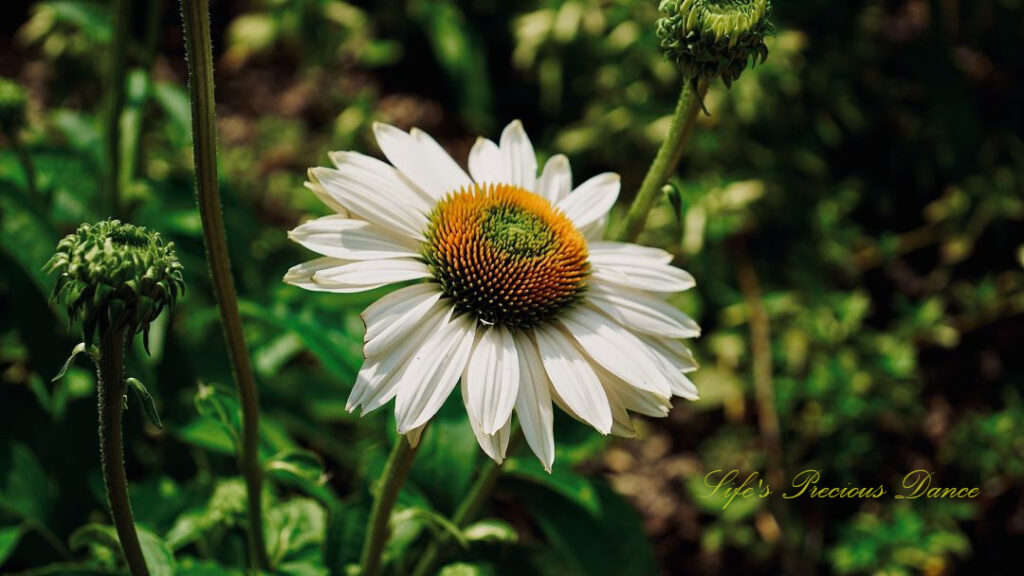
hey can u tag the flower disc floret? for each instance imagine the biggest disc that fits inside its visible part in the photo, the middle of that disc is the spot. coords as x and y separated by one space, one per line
112 274
505 255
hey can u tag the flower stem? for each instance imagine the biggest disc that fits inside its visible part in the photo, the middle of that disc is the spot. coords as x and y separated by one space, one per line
110 387
390 482
466 512
665 162
196 18
118 66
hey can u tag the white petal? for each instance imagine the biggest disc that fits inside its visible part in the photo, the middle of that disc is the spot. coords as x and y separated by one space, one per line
555 180
389 211
383 177
370 274
349 239
492 378
678 355
621 424
518 157
592 200
641 313
421 159
573 378
301 275
613 252
633 398
616 349
533 403
391 318
494 445
321 193
485 163
643 275
433 372
378 379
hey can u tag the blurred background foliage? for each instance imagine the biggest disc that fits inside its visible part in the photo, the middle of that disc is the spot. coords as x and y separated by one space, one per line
852 210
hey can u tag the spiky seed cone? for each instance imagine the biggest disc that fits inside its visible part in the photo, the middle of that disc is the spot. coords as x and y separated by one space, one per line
709 38
112 274
12 105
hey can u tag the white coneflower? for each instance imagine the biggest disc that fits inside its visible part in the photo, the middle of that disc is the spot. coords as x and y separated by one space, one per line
511 290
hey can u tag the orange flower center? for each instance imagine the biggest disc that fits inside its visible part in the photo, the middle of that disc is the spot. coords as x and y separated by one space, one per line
505 255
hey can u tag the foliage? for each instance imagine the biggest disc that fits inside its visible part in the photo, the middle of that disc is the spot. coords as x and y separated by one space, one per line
860 190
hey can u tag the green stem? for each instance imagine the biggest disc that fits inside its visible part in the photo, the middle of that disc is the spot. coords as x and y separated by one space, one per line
665 162
110 385
118 66
196 18
389 484
26 165
466 512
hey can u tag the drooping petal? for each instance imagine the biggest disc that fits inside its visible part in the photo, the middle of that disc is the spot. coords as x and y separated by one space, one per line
573 379
485 163
555 180
391 318
533 403
632 398
642 275
321 193
592 200
369 274
421 160
433 372
622 425
492 378
618 252
386 211
518 157
494 445
301 275
350 239
641 313
617 350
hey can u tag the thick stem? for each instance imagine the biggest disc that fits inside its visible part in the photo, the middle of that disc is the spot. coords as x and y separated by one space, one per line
118 65
665 162
110 387
196 18
466 512
389 484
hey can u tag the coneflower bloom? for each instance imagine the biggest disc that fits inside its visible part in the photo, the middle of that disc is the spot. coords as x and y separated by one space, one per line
507 288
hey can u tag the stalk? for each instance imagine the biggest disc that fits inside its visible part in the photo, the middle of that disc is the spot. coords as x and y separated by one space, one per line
110 386
118 66
196 19
390 483
666 160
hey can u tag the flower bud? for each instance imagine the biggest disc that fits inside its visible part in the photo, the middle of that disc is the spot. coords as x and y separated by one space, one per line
12 105
709 38
114 275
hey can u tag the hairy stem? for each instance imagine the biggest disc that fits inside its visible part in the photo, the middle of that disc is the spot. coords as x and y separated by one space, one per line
389 484
121 11
196 18
110 385
666 160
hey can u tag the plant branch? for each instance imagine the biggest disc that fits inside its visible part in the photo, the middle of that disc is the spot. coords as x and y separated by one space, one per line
196 18
666 160
110 385
390 482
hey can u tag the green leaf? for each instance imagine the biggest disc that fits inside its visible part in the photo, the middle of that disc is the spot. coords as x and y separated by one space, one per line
24 485
158 556
447 458
491 530
294 526
9 537
561 480
220 405
147 401
464 569
78 349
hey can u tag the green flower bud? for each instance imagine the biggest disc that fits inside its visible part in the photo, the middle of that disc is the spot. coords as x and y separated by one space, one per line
12 105
709 38
114 275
